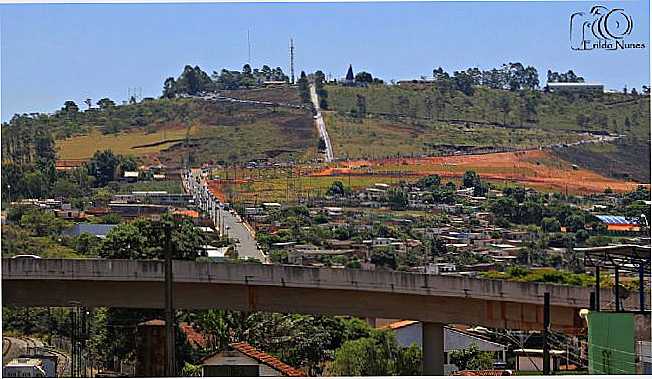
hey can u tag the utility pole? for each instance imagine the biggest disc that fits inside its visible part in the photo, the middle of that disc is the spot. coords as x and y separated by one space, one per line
617 288
597 288
169 311
641 287
73 344
546 331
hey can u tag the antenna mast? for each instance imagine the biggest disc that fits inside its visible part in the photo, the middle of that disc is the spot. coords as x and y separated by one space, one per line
292 60
248 48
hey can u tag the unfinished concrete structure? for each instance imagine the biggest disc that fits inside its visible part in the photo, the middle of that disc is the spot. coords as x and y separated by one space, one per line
433 300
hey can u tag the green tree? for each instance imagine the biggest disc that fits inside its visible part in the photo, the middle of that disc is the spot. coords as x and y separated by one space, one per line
321 146
575 222
65 188
364 77
192 81
398 198
367 356
70 108
384 258
126 241
103 166
169 88
87 244
550 225
337 188
142 239
472 358
128 163
409 361
429 182
304 88
43 223
470 179
106 103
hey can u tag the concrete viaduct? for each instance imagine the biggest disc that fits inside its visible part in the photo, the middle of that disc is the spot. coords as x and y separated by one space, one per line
434 300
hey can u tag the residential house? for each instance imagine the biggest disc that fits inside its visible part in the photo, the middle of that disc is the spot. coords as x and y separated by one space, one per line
409 332
242 359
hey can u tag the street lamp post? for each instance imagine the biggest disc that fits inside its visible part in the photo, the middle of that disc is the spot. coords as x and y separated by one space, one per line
169 310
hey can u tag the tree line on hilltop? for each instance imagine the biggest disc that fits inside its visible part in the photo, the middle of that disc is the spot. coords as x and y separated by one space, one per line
193 80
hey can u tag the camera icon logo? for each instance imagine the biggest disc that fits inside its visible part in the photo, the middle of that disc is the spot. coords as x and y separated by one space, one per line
600 28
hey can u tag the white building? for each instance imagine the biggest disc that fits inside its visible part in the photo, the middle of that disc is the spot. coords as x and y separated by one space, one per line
24 368
576 87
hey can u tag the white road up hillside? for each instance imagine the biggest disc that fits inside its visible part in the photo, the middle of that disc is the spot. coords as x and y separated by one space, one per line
321 125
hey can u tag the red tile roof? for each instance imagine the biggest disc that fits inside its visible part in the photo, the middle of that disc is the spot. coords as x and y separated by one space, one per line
193 336
154 322
399 324
267 359
187 212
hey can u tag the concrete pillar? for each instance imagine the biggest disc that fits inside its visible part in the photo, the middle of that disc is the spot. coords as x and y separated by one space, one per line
433 348
371 321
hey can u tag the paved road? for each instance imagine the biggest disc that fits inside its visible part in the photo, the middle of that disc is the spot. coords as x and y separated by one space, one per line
245 245
321 125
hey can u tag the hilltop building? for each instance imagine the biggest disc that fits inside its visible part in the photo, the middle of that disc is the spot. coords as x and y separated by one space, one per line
575 87
349 80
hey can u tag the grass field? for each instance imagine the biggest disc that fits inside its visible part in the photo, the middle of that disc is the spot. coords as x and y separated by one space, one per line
221 132
553 111
377 137
84 146
282 94
629 158
399 122
286 134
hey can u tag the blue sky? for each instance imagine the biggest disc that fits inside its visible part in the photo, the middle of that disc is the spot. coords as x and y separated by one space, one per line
57 52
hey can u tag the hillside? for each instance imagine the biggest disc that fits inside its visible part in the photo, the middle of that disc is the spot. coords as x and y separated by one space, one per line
406 120
156 130
625 159
422 119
